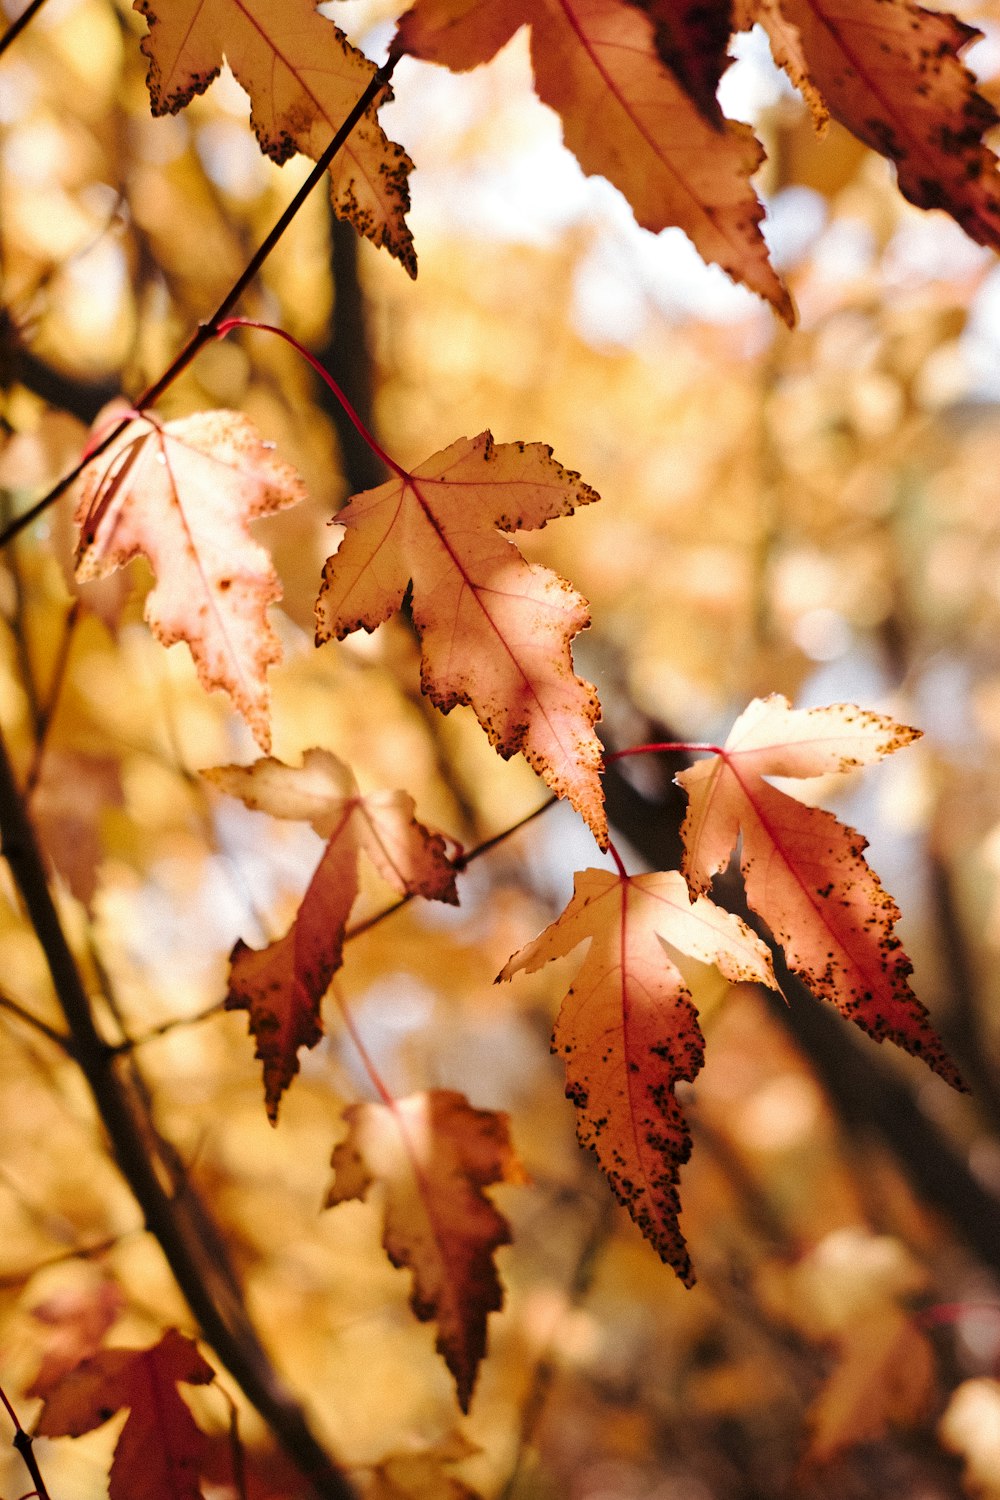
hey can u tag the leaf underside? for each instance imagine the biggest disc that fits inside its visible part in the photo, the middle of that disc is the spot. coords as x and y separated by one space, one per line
282 985
628 1032
495 630
805 871
182 494
304 78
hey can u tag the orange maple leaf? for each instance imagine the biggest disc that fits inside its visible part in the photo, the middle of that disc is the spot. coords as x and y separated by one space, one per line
282 986
890 71
495 630
805 871
628 1031
435 1153
159 1453
182 494
304 78
625 115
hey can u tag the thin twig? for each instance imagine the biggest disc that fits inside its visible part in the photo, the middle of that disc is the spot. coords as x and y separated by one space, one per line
217 1008
328 380
205 332
37 1024
461 863
22 1442
16 27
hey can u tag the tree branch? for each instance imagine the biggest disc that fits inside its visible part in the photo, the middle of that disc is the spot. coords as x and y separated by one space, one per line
173 1214
16 27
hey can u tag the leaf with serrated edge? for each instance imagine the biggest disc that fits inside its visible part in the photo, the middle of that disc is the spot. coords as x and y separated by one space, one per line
182 495
304 78
805 871
495 630
890 71
159 1452
435 1153
625 114
786 48
282 986
628 1032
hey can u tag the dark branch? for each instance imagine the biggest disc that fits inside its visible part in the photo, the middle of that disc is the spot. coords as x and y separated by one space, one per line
16 27
172 1214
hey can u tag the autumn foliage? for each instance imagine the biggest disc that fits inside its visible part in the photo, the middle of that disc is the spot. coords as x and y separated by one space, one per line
430 591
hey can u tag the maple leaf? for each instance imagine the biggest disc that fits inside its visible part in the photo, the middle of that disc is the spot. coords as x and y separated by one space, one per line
628 1031
495 630
181 494
805 871
890 71
625 114
435 1153
304 78
282 986
158 1455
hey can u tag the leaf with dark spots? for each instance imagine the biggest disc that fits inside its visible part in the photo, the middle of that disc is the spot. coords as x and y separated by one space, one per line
691 38
303 77
890 71
805 871
628 1031
495 630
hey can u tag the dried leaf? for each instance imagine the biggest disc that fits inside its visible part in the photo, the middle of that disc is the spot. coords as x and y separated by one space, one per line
182 495
625 115
628 1032
691 39
421 1475
851 1291
435 1153
805 871
282 986
158 1455
495 630
890 71
75 1319
304 78
73 791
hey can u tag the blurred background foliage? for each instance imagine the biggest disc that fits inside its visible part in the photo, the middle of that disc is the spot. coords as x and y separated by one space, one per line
811 512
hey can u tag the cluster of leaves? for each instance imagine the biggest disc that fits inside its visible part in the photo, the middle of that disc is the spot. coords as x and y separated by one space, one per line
635 86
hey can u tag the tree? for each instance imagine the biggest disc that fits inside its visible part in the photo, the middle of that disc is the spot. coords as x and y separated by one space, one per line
775 497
